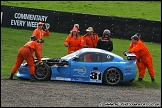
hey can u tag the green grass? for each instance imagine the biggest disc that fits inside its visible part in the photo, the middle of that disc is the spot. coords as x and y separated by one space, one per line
13 39
150 10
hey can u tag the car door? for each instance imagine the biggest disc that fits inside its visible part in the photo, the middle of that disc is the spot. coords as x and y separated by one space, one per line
85 70
60 73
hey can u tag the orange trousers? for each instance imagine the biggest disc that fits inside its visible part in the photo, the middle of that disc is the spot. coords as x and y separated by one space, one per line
24 54
40 49
144 63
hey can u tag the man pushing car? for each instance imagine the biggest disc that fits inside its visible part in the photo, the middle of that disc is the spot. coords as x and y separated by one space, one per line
26 53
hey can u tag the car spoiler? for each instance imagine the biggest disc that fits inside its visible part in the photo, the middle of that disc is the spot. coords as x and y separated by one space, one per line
130 56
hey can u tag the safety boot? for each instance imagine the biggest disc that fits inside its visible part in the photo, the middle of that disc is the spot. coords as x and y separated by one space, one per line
139 79
11 77
152 80
32 78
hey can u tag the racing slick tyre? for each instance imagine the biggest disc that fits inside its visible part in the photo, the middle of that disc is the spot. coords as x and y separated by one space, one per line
42 72
112 76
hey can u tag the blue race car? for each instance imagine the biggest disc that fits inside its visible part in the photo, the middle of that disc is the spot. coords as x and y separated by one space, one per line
85 65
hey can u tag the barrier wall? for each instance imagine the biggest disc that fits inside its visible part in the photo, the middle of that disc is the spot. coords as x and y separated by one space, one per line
62 22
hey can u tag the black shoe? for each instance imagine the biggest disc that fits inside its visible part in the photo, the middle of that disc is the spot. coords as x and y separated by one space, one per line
152 80
32 78
11 77
139 79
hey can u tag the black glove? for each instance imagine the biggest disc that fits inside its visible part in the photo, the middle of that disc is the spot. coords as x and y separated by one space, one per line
44 27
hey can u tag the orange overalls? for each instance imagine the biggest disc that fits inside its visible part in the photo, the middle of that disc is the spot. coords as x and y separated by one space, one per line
74 43
91 42
39 33
26 53
145 56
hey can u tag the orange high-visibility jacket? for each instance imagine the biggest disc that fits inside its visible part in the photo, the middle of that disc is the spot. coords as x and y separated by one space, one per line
74 43
140 49
91 41
35 48
131 46
39 33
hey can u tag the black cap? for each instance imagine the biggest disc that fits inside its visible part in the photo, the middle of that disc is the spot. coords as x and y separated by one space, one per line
33 38
135 37
137 34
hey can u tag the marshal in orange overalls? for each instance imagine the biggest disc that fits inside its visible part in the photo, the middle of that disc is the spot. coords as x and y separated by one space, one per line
39 33
73 41
145 56
90 40
26 53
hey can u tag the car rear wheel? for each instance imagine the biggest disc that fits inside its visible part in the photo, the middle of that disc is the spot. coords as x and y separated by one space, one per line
112 76
42 72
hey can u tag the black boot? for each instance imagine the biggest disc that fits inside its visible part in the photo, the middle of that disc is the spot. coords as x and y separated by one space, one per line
32 78
139 79
11 76
152 80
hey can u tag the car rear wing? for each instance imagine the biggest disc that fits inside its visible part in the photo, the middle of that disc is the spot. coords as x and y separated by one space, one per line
130 56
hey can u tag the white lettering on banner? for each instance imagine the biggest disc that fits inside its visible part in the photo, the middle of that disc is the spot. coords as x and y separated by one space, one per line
31 17
17 22
1 16
31 24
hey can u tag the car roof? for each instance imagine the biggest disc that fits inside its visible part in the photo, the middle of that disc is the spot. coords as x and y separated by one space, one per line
92 50
98 50
83 50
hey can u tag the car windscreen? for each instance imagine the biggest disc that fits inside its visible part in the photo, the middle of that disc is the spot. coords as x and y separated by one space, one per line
71 55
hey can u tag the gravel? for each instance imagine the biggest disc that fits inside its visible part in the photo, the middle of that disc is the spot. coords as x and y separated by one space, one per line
23 93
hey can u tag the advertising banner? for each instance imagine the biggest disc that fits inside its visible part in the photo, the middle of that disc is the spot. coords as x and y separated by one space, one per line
24 18
62 22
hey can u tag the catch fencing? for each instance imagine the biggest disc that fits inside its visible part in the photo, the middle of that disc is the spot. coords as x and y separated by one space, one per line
62 22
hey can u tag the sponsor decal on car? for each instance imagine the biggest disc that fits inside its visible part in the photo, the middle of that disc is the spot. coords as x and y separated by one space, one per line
67 79
62 78
81 70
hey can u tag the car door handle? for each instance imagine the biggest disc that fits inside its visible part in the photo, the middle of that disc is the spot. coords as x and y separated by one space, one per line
95 68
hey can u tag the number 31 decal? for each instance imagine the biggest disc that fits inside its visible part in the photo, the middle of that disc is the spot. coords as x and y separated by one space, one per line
95 75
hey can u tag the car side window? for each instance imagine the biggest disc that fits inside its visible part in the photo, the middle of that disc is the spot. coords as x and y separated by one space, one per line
106 57
90 57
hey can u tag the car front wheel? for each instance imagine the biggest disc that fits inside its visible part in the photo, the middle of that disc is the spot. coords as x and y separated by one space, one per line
112 76
42 72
